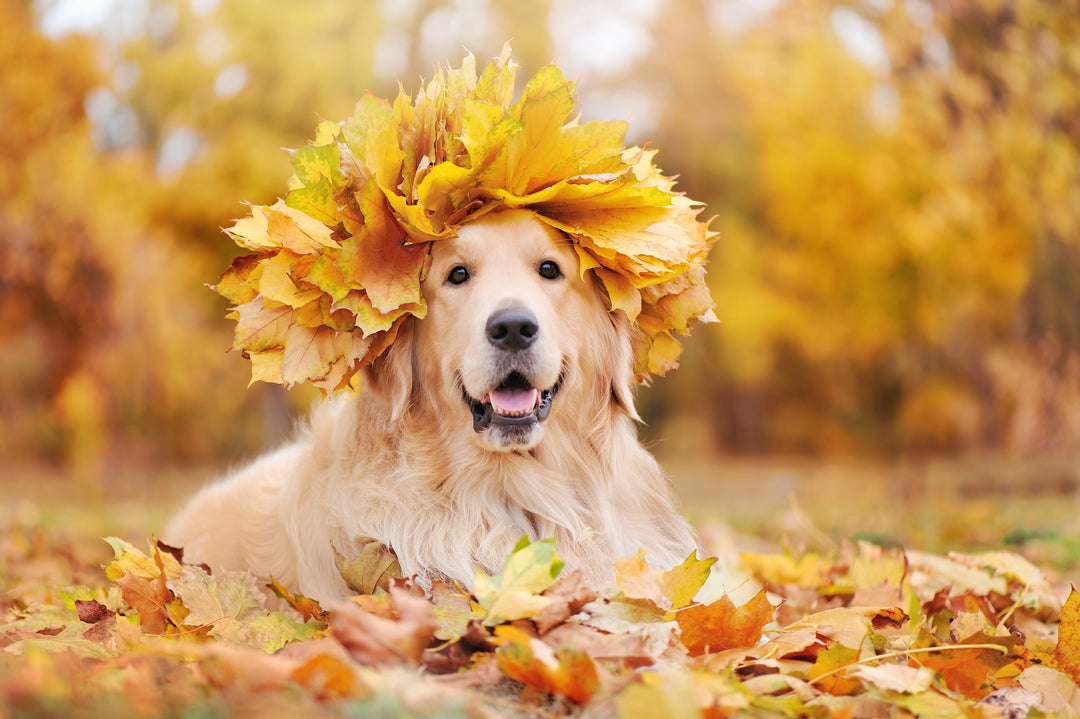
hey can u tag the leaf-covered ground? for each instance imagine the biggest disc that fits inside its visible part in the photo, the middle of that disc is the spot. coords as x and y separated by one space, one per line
857 631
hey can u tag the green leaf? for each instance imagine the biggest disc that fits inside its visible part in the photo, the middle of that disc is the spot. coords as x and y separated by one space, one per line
515 594
319 200
315 162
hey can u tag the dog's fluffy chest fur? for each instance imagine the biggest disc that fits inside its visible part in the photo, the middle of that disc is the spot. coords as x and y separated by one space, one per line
446 507
444 511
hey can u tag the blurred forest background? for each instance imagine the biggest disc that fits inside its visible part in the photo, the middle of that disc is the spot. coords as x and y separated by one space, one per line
895 183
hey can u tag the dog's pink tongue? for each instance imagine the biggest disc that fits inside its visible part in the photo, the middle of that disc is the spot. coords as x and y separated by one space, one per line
514 400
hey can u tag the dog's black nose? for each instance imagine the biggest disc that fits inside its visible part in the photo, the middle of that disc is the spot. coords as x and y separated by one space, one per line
512 329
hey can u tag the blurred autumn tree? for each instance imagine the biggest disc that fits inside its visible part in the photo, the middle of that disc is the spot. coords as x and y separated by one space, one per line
107 351
895 184
897 188
113 348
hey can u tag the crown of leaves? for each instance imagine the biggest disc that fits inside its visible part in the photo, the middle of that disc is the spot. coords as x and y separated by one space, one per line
338 263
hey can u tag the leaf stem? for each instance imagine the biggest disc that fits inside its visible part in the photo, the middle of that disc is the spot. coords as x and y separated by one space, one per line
907 652
1020 601
190 630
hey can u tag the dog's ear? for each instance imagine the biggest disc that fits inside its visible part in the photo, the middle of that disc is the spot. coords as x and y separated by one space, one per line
390 378
622 371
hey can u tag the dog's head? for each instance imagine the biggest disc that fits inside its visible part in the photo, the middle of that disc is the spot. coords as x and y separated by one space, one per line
514 338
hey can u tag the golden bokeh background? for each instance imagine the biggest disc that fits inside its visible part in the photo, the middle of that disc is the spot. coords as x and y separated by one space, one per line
895 183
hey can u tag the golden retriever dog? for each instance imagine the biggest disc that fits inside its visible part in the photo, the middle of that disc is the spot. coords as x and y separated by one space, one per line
506 411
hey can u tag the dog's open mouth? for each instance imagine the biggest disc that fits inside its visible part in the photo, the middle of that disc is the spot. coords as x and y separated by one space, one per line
514 402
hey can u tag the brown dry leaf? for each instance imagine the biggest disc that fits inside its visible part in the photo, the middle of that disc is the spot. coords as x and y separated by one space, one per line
627 650
773 684
103 632
381 604
375 641
150 598
92 611
721 625
569 594
1012 701
461 651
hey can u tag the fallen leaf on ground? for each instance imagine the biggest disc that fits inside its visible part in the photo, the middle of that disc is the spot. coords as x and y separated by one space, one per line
721 625
375 641
565 671
516 592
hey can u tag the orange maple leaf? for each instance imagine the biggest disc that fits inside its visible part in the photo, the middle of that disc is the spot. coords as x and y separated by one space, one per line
710 628
567 672
826 665
970 671
1067 654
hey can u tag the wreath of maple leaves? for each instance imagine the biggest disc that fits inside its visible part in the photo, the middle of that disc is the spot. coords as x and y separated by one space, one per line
338 264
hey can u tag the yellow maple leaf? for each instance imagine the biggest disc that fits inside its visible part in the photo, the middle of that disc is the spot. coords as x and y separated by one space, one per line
682 583
1067 654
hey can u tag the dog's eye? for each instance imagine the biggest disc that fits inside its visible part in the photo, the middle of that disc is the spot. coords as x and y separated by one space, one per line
549 270
458 275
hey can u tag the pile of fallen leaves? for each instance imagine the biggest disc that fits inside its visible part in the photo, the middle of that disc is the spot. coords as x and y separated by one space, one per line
868 632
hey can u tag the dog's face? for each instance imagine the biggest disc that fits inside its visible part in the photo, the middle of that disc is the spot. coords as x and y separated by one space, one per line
510 326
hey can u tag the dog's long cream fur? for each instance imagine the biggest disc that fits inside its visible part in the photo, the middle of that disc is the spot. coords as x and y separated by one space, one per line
402 464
